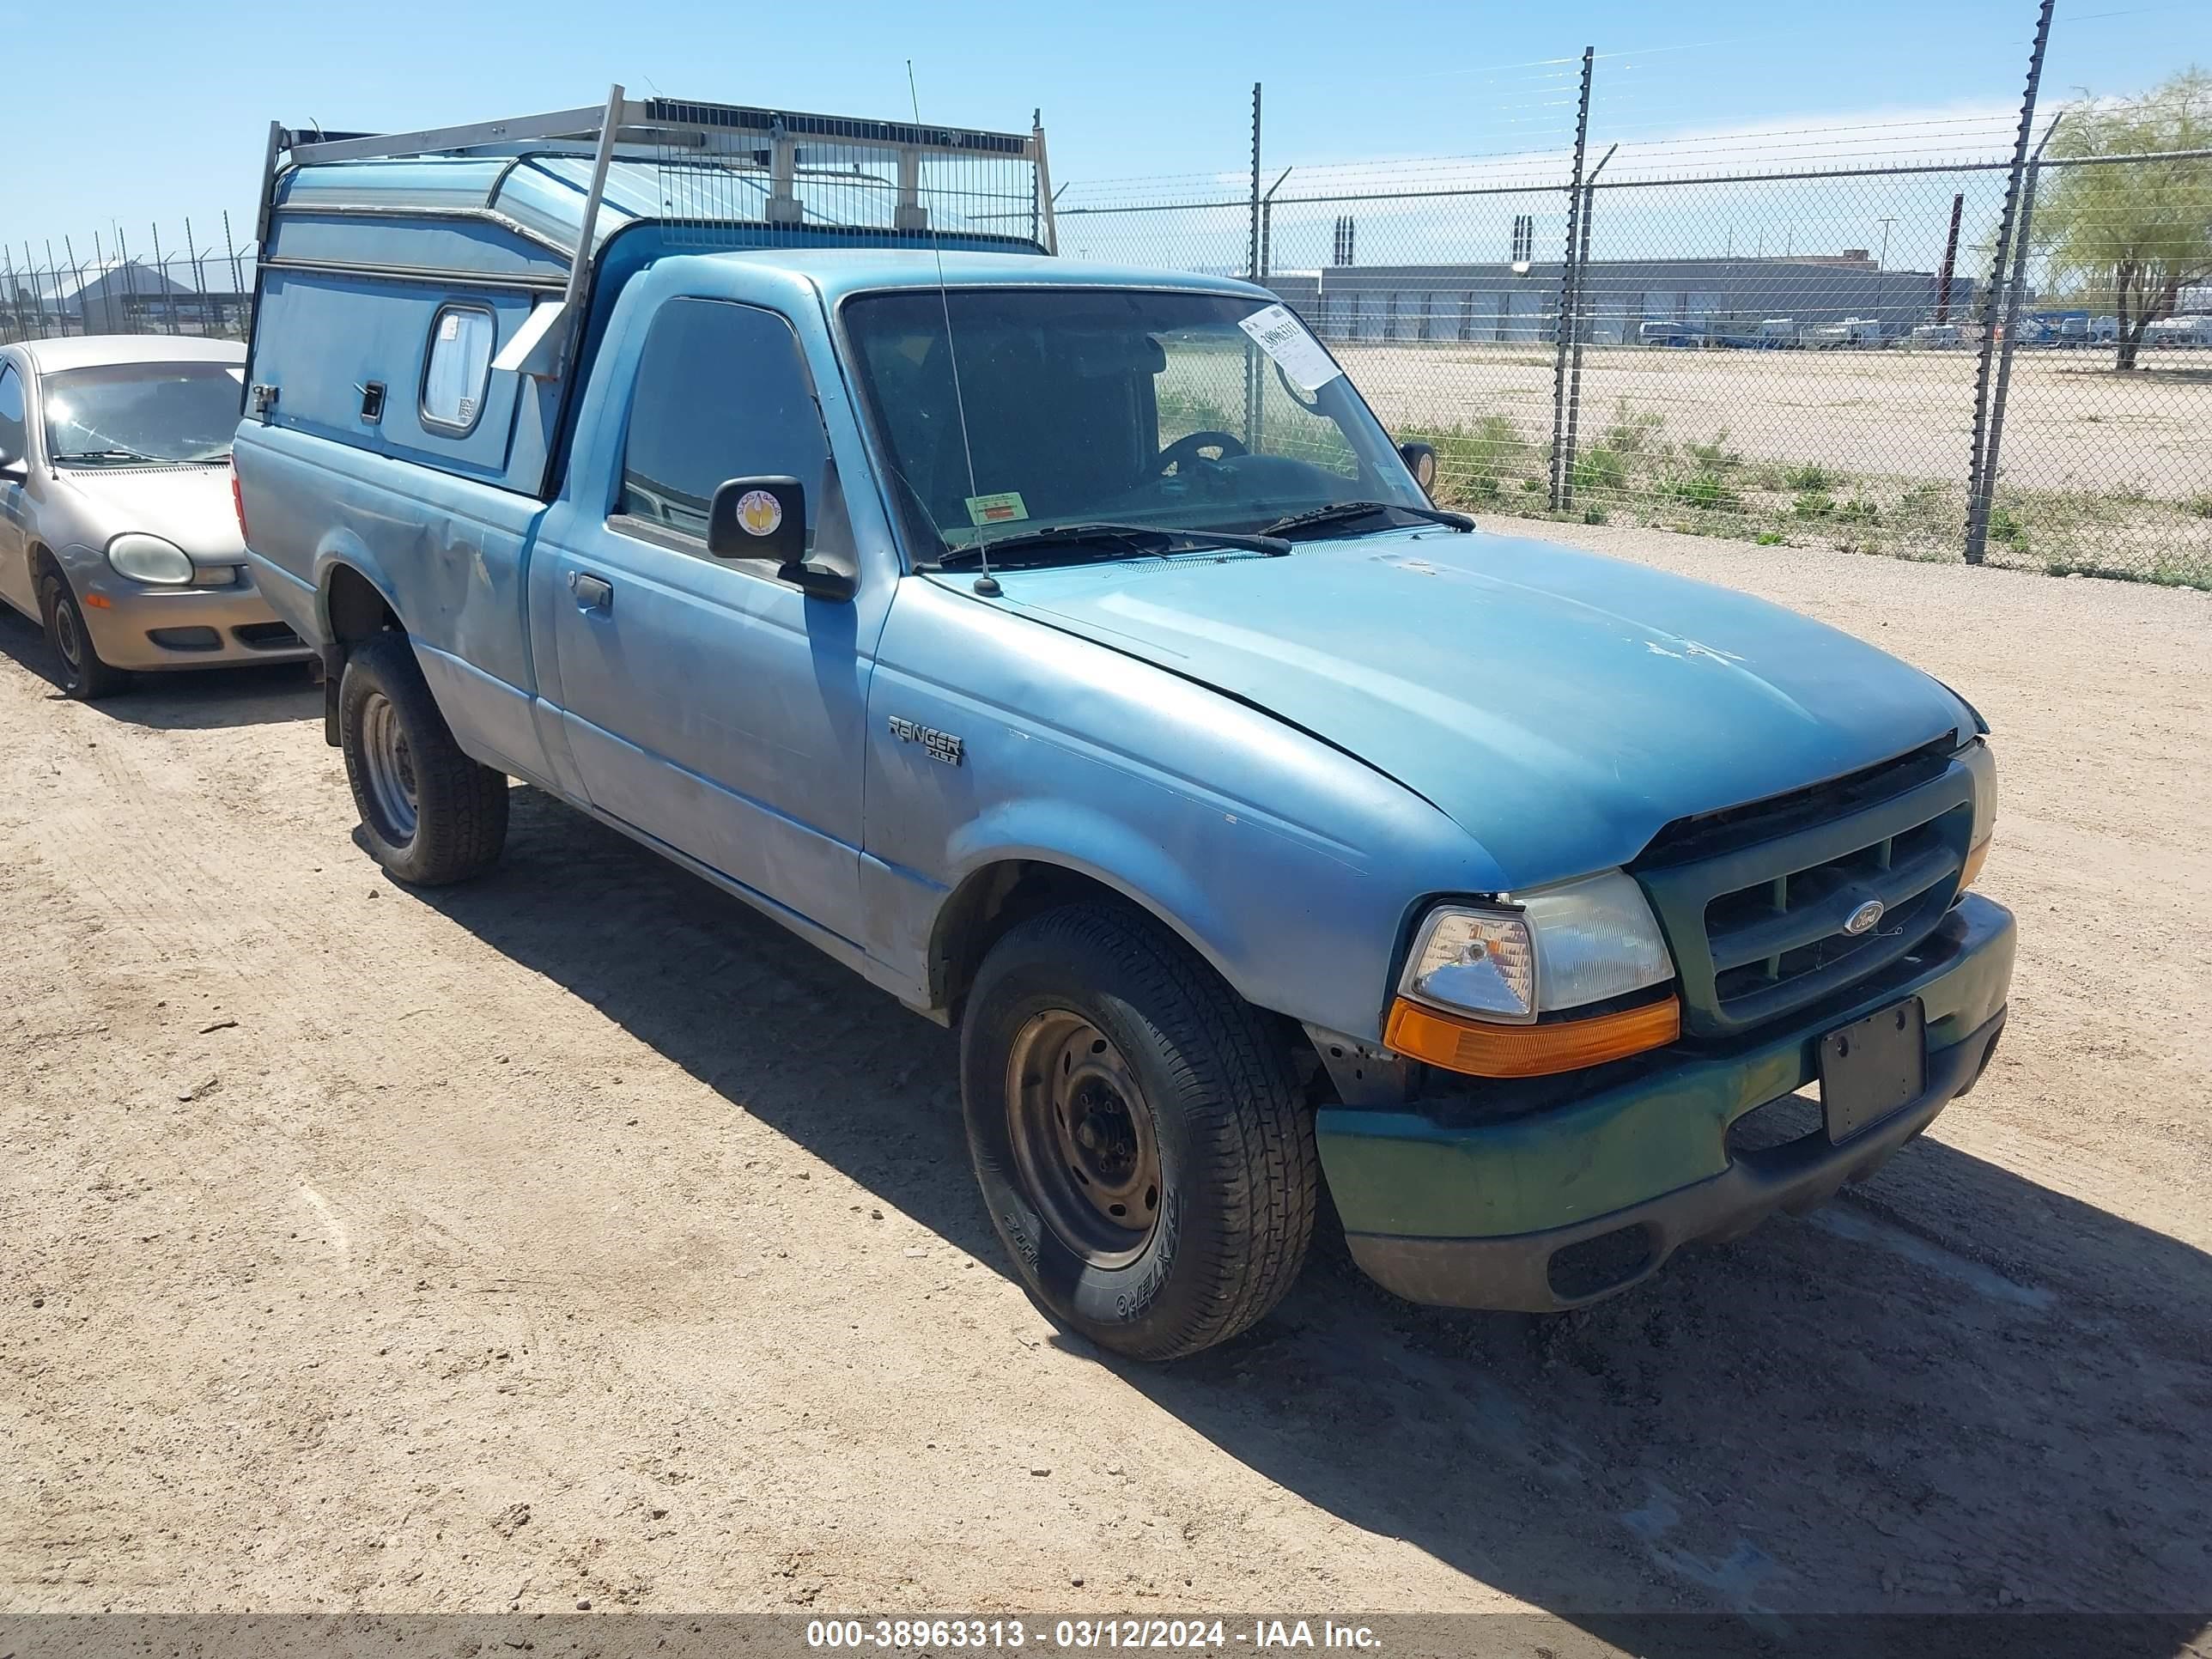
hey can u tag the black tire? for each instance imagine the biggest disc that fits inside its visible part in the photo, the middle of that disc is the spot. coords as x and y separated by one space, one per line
84 676
1238 1177
430 814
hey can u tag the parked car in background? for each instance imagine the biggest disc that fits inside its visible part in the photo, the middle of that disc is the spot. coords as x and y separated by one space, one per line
2178 332
118 528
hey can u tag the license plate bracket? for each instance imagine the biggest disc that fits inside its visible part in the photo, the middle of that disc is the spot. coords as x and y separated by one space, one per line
1873 1067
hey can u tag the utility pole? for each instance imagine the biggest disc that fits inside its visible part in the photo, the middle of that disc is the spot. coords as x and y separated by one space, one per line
1882 263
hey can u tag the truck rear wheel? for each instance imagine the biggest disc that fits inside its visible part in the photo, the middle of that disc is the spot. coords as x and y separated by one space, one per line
1135 1133
430 813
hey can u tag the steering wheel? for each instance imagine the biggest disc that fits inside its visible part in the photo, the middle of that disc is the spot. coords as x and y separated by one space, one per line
1184 450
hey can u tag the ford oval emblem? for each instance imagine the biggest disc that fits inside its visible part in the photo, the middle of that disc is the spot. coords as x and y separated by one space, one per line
1864 918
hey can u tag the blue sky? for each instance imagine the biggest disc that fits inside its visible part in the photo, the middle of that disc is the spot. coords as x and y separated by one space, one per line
138 112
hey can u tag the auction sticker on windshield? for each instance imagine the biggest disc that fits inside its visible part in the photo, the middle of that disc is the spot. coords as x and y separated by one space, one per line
1001 509
1277 332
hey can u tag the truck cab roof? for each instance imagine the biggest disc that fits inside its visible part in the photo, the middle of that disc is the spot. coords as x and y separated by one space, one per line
838 273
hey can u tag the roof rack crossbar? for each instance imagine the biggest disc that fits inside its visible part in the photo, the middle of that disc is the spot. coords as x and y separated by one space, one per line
661 121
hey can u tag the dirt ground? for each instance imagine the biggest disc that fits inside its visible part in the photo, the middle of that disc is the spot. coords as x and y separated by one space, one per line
2071 423
574 1235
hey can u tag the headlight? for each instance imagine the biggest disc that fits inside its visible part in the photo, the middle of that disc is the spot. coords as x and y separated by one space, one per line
150 559
1556 948
1982 762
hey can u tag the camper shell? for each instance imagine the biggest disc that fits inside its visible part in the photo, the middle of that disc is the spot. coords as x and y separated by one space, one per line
433 295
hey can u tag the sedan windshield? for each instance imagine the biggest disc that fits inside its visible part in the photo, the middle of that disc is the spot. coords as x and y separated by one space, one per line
1178 411
123 413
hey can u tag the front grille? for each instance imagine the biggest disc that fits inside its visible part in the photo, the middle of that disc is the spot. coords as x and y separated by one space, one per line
1758 930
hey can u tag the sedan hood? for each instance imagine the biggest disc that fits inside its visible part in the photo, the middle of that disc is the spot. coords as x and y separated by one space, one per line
191 506
1560 707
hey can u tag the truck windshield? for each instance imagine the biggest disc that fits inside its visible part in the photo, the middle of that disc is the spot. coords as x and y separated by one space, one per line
122 413
1190 411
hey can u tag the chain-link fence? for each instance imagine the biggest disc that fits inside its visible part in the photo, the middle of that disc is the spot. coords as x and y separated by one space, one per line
2007 359
100 284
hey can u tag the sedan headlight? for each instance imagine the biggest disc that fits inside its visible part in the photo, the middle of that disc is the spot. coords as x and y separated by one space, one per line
150 559
1981 762
1552 949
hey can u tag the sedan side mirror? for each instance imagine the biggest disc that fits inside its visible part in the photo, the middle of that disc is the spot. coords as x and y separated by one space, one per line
765 517
1420 461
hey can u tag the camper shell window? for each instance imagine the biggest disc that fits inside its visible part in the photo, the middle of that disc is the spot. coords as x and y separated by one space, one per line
457 368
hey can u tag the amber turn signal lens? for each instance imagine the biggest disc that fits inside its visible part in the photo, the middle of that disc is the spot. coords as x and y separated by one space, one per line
1481 1050
1976 858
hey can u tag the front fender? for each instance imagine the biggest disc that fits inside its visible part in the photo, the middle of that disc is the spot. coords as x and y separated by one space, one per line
1290 867
1078 837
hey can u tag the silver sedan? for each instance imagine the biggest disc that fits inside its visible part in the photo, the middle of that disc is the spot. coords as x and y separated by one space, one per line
118 528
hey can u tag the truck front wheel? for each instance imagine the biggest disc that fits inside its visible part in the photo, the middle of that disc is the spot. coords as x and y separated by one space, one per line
429 813
1135 1133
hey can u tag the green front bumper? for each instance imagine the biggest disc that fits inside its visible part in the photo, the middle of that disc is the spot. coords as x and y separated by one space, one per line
1444 1206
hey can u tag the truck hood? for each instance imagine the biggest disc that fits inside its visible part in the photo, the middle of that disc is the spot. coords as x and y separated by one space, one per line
190 506
1561 707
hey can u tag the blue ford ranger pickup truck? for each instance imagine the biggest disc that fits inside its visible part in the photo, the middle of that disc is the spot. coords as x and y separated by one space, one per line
1068 651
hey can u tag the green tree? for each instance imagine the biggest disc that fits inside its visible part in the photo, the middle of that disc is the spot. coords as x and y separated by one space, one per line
2133 234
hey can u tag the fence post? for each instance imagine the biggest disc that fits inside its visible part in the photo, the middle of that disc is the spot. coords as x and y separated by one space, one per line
1980 479
1568 273
1252 246
1252 383
14 300
1979 531
129 275
76 294
1574 371
162 291
238 276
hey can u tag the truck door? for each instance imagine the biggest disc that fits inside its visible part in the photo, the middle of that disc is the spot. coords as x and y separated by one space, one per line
711 704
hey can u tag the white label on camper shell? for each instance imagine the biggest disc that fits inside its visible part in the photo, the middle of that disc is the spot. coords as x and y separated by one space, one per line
1277 332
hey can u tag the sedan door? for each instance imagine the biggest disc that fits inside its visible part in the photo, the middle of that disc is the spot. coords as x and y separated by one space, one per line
15 503
709 702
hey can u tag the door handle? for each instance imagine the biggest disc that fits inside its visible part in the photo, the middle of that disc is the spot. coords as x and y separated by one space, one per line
592 593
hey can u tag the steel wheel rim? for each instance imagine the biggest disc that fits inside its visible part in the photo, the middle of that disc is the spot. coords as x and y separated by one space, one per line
1083 1138
67 641
388 769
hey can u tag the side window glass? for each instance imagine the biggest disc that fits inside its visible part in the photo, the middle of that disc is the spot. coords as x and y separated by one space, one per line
457 368
722 393
14 440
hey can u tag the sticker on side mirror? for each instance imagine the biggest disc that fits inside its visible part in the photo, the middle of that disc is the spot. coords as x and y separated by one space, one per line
1277 332
759 514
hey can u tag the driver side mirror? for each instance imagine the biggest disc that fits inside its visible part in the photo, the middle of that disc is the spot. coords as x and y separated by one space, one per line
765 517
1420 461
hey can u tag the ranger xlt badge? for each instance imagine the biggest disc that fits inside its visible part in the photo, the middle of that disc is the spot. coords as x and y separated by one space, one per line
940 745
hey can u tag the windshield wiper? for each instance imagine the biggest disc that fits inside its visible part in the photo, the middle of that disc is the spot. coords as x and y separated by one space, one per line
1342 512
105 455
1107 541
